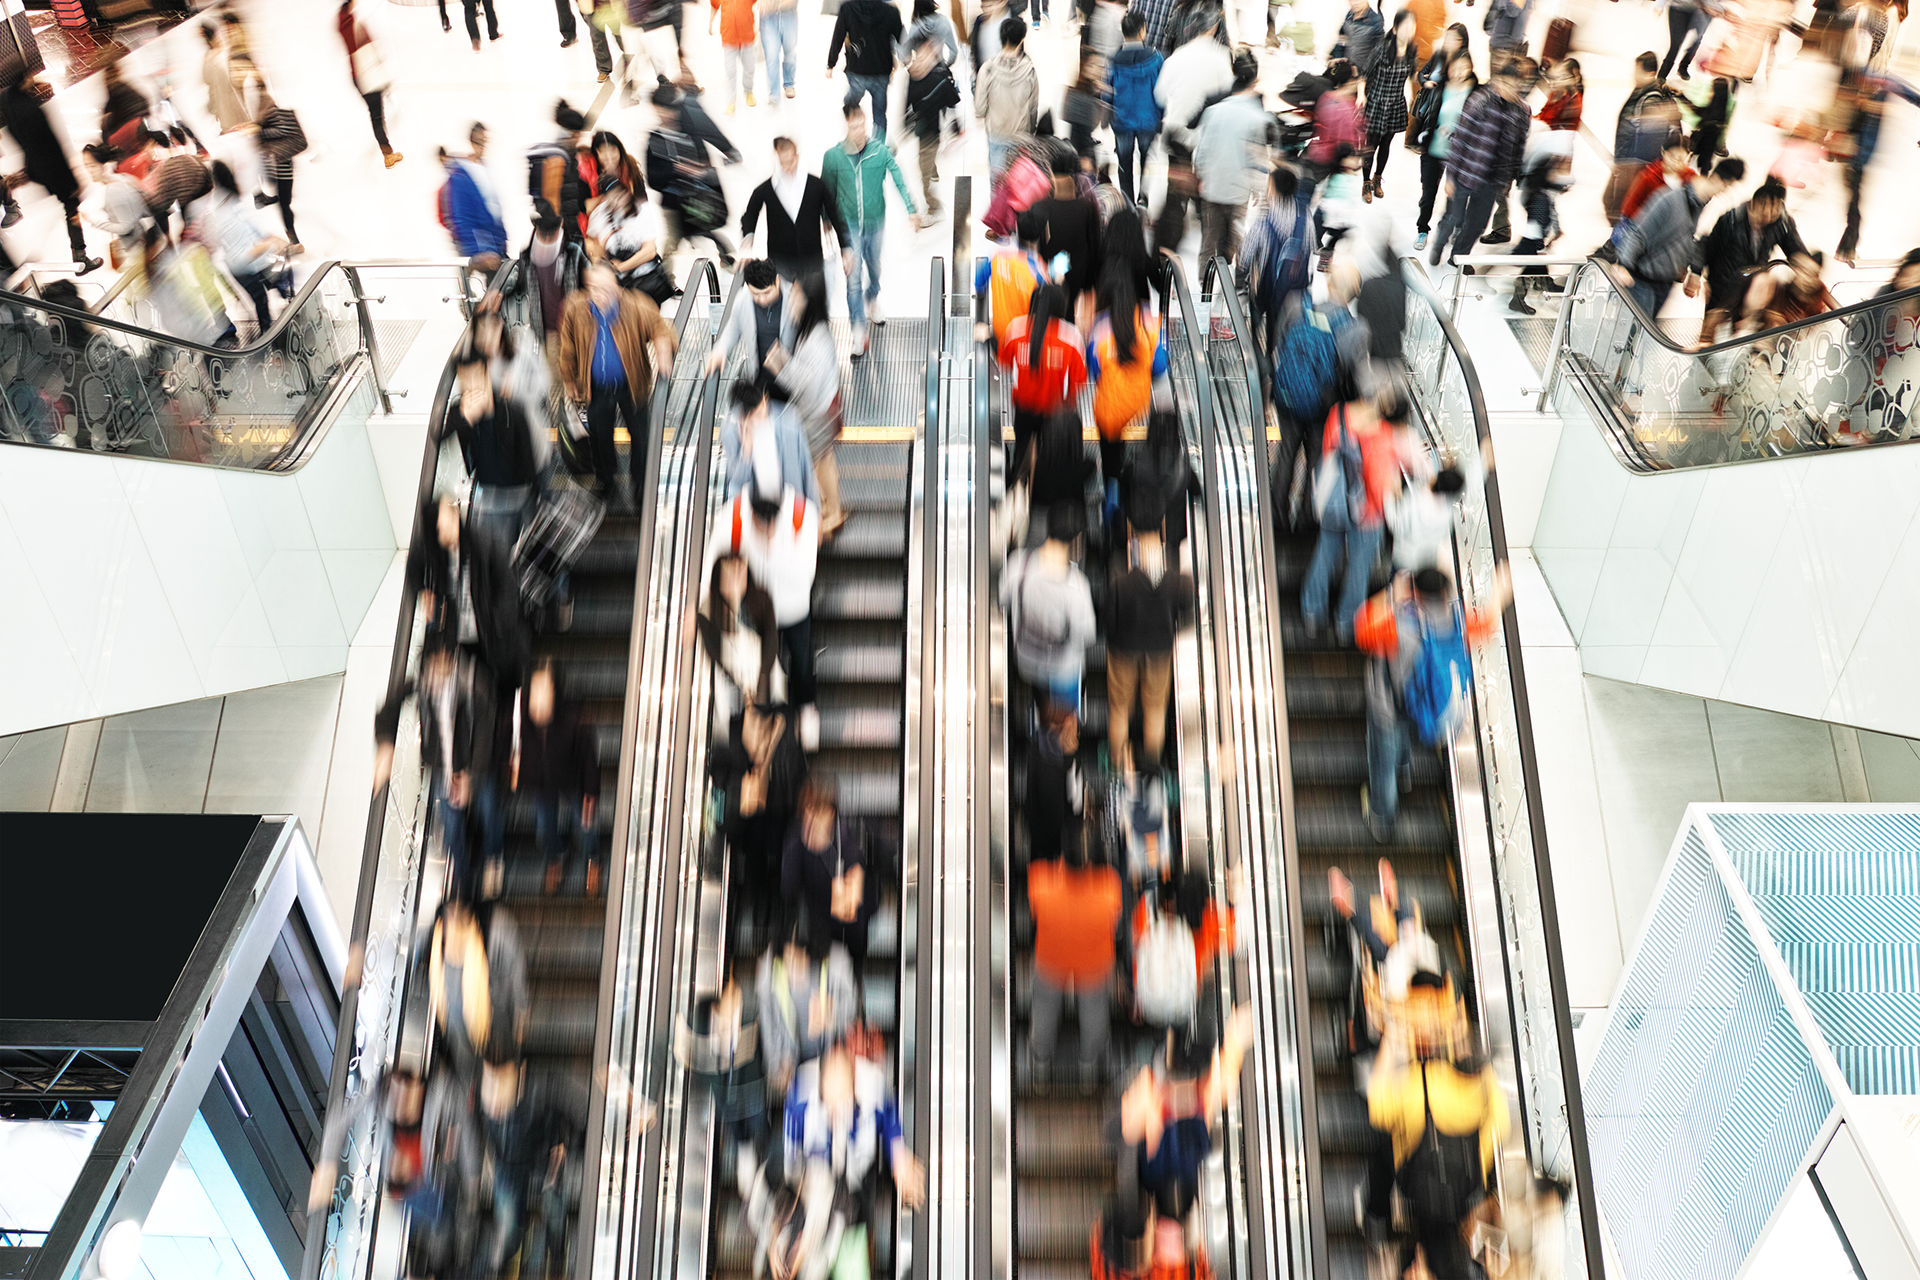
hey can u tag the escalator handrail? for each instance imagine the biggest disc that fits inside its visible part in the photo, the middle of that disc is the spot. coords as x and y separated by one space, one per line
1593 266
1213 488
700 406
1218 280
1422 289
931 448
258 345
344 1059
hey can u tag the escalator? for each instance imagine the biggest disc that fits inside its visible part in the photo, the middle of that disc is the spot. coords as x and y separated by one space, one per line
1469 843
867 640
1064 1136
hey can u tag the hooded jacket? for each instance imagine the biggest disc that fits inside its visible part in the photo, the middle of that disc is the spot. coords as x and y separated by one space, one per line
1136 73
1006 94
869 30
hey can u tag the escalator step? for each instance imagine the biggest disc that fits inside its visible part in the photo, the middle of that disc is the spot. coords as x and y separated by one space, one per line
870 535
882 664
1061 1138
859 589
863 727
1055 1215
1335 822
1344 1127
1346 763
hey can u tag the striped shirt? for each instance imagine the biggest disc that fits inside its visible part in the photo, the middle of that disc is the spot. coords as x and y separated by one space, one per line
1489 141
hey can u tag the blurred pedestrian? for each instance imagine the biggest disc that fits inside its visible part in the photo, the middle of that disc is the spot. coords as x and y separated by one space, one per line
1006 94
1229 159
613 342
798 209
738 46
367 65
46 159
869 31
1482 158
1395 64
856 174
1134 75
1195 73
931 92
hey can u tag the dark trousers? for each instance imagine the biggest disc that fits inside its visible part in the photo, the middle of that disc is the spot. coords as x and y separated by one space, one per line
377 113
1502 229
76 238
1682 23
1433 172
1446 1250
254 285
796 649
563 9
1127 144
602 50
473 19
1170 228
1380 150
1025 427
283 196
1850 238
611 404
1476 207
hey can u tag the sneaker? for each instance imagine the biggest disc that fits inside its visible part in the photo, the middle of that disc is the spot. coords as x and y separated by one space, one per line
750 101
729 108
605 76
86 265
860 336
873 312
1434 250
1494 237
569 42
394 158
789 91
14 214
593 879
810 727
1420 242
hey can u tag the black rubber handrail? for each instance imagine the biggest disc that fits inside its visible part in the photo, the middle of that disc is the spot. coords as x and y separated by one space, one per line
1652 326
1418 284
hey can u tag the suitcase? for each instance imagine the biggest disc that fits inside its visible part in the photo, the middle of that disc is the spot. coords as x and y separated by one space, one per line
1559 40
562 525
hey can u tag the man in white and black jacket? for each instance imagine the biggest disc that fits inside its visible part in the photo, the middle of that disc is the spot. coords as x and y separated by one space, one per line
798 209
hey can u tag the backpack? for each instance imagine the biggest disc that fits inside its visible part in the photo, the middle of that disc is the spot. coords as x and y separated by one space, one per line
1443 1177
1045 644
1287 268
1166 975
1306 365
1442 674
1340 488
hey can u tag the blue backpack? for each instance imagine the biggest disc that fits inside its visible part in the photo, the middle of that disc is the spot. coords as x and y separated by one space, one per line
1436 689
1306 365
1340 487
1288 266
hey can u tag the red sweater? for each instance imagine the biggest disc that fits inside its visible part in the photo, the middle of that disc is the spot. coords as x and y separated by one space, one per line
1056 384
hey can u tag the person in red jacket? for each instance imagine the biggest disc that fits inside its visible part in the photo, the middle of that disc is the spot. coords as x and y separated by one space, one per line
1367 425
1046 363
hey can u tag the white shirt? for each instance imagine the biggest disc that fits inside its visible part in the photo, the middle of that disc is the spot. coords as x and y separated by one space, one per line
781 561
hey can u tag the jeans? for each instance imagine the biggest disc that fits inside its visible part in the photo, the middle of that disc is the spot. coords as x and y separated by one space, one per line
859 86
866 263
999 152
1389 750
1682 23
1091 1001
453 829
377 113
1360 545
1433 170
556 824
490 811
1650 294
509 1220
796 650
1170 228
1126 144
608 404
780 44
602 49
473 19
739 67
1465 219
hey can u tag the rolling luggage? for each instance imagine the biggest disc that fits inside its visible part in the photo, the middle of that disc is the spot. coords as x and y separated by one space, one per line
563 523
1559 40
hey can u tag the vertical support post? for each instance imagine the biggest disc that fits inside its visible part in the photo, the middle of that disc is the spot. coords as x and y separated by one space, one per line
370 343
1559 336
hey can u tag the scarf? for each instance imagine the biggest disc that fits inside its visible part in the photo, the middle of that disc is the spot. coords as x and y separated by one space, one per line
789 189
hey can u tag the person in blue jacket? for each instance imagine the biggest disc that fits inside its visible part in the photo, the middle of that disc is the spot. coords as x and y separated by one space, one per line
470 207
1136 113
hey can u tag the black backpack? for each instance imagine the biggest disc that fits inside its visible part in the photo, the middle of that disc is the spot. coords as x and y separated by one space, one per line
1443 1178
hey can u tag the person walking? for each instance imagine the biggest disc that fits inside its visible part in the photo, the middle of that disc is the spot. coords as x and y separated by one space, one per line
473 8
931 92
1134 75
1006 94
1449 93
771 525
1050 618
1232 134
497 445
805 365
1362 32
1045 359
1644 100
223 100
780 41
737 42
225 222
1482 157
1195 73
1392 72
754 329
281 139
799 209
1742 241
553 171
929 24
856 174
1070 226
367 66
868 30
472 207
547 752
46 159
1359 469
613 342
1686 21
604 22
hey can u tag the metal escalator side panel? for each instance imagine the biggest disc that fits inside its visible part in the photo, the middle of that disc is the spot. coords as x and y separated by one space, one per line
1500 827
1837 379
647 888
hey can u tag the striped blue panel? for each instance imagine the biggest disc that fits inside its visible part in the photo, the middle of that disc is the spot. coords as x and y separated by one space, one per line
1702 1100
1840 894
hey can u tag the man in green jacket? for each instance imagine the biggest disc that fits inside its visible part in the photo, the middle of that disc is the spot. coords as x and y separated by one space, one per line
856 175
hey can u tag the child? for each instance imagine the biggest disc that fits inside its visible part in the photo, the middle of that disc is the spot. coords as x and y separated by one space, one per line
930 92
1339 201
738 51
1136 114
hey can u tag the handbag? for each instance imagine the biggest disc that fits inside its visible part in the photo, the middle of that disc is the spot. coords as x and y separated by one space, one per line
370 68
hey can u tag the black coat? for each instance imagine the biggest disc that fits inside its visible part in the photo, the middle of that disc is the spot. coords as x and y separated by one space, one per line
470 749
505 643
869 29
561 757
499 447
1731 252
807 877
795 243
47 162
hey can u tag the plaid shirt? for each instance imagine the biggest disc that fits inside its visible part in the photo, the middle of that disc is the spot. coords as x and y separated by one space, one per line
1488 142
1387 90
1156 13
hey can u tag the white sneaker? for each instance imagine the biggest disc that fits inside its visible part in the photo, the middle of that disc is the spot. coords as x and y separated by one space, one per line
873 312
810 727
859 342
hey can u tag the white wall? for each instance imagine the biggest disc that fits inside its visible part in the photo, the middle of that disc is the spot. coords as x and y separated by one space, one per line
1791 585
131 583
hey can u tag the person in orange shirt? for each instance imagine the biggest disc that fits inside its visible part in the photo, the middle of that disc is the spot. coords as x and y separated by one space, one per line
1011 275
1075 899
1046 363
737 50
